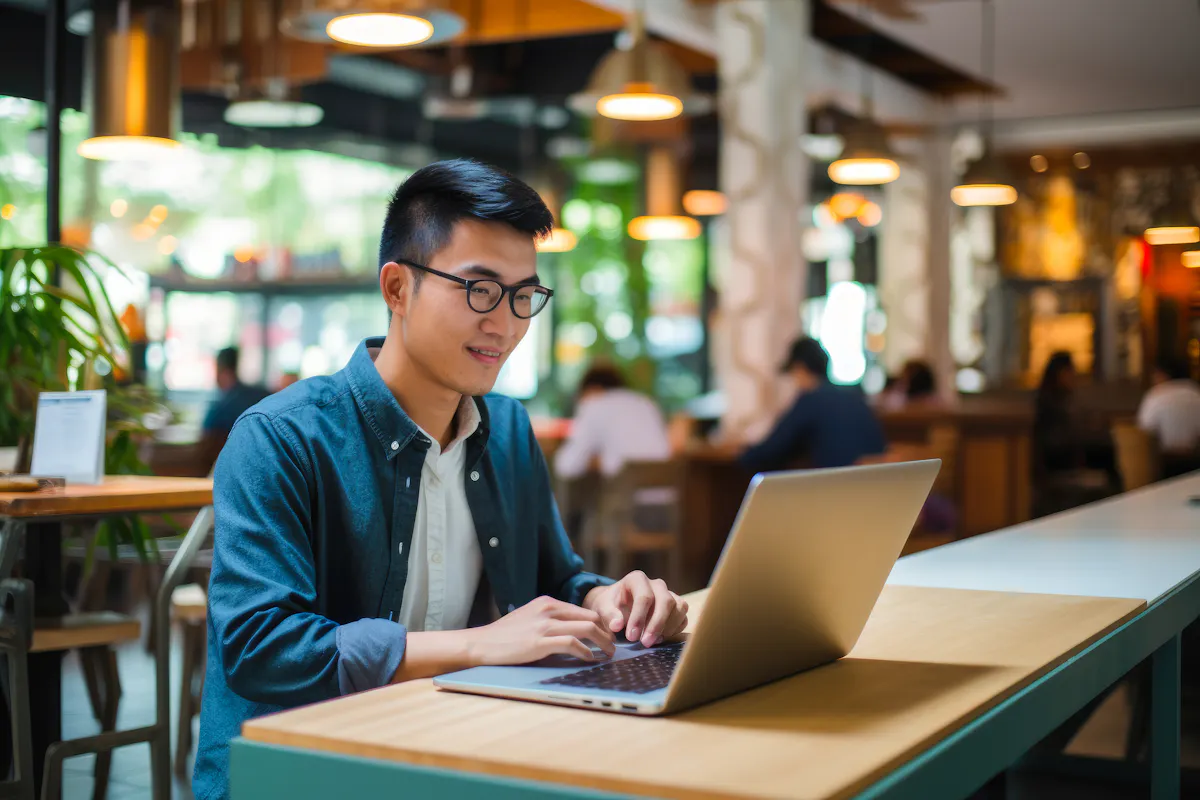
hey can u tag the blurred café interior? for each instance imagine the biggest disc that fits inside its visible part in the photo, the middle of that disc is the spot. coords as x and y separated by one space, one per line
985 211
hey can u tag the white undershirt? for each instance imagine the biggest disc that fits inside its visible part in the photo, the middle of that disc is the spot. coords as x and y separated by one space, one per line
1172 410
444 562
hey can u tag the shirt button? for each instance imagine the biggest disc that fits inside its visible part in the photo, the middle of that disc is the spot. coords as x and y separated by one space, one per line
511 608
475 476
395 445
401 548
493 542
436 558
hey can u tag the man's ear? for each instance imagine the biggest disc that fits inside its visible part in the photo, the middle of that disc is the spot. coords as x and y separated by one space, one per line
396 284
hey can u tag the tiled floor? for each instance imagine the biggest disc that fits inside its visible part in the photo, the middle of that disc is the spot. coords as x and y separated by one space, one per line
1104 735
130 777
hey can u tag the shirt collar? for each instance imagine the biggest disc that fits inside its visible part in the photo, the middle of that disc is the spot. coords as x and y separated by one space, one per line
394 429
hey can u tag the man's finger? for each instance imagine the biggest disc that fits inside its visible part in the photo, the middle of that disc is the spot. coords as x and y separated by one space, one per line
557 609
679 619
616 603
567 646
643 602
664 607
589 631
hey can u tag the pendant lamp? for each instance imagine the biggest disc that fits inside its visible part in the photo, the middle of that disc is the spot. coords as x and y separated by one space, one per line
986 182
133 100
642 83
380 24
867 159
663 220
1176 224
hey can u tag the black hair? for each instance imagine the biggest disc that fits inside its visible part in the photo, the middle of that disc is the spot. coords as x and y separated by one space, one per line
1175 368
228 359
921 382
1051 389
602 376
808 353
424 209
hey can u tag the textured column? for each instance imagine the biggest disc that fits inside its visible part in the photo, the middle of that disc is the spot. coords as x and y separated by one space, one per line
761 46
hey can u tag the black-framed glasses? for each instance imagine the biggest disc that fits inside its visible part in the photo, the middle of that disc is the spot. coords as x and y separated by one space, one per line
484 294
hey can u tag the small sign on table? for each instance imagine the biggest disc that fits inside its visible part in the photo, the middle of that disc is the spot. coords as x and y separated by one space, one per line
68 439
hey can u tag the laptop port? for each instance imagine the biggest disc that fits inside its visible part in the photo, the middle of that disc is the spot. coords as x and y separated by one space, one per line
607 704
588 702
628 708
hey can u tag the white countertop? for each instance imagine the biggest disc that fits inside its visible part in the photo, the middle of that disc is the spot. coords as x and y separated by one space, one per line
1139 545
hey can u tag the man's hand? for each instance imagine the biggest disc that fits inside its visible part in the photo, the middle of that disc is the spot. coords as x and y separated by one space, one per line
645 609
544 627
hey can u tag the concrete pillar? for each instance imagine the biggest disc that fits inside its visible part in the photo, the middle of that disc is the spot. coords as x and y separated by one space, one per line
764 174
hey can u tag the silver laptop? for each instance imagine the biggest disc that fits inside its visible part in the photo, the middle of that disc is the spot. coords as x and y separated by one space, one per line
808 556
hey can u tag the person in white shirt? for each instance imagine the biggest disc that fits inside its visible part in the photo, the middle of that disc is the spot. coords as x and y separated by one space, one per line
612 425
1171 409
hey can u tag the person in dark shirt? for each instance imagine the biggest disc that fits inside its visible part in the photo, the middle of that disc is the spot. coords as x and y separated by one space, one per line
235 398
827 425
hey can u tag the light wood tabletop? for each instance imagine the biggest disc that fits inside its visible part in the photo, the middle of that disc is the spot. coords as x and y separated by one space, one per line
118 494
928 661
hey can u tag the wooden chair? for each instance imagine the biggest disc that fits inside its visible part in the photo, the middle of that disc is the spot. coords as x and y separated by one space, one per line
638 513
189 610
94 635
1138 457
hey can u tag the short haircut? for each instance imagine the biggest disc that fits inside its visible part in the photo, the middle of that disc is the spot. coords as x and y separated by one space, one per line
808 353
1176 368
602 376
424 209
921 382
228 359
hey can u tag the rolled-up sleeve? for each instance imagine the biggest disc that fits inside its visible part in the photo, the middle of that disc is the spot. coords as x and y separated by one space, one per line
274 647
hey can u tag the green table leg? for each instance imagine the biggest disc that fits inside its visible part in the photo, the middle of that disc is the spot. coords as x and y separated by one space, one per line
1164 721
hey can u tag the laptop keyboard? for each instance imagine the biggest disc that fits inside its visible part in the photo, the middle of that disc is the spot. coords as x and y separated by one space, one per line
637 675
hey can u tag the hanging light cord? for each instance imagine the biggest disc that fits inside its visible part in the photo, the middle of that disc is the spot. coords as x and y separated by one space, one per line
988 51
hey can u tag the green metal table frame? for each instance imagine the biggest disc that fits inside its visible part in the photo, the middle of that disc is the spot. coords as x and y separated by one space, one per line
954 767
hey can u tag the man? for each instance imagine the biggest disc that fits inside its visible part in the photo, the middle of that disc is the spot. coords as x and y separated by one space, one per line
235 397
1171 411
365 519
827 425
612 425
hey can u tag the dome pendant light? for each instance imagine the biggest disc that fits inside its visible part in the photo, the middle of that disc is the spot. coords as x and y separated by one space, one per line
640 84
378 24
986 182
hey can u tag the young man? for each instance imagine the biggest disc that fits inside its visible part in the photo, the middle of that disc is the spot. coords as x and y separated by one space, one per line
365 520
827 426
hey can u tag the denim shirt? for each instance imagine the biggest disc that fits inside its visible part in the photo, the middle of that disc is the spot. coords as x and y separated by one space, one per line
315 496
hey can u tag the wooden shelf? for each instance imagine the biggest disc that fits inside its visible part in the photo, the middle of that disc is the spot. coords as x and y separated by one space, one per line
296 286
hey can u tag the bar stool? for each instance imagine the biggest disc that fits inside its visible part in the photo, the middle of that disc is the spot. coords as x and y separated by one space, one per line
189 610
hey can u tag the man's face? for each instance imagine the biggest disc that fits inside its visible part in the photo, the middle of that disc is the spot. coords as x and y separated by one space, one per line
457 347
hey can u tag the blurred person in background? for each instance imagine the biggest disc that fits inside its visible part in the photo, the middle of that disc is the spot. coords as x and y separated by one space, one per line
235 398
613 424
1171 411
827 425
916 386
1057 438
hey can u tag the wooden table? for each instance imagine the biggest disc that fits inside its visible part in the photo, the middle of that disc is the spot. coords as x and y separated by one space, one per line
929 661
37 518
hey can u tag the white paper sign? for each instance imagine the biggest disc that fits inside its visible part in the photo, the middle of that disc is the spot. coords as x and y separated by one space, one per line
68 439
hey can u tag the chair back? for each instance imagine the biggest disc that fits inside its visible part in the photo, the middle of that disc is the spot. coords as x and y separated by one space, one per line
1138 457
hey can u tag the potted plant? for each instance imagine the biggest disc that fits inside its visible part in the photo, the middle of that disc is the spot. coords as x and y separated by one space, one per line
62 338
